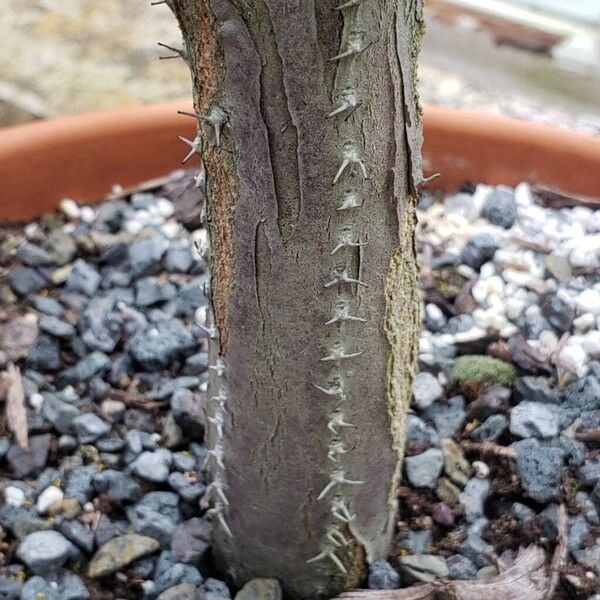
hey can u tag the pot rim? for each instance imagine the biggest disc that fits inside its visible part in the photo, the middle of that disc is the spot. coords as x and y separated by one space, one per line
84 156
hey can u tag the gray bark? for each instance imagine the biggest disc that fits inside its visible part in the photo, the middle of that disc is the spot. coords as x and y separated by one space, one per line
313 276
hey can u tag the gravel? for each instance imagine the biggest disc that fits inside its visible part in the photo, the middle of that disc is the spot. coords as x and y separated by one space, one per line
114 369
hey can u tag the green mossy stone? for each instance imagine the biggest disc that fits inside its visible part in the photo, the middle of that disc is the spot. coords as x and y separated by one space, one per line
482 371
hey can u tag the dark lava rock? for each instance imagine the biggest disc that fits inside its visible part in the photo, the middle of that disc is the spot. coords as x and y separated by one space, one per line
500 208
478 250
44 355
559 312
157 347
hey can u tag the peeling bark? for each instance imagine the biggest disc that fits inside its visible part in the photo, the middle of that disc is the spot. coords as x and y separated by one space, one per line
310 132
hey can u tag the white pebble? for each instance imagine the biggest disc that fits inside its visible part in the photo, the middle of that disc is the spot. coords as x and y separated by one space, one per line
35 401
487 270
574 359
31 230
200 244
171 229
50 497
481 469
165 207
523 195
200 315
70 209
88 214
88 507
585 252
584 323
514 307
588 301
591 344
14 496
133 227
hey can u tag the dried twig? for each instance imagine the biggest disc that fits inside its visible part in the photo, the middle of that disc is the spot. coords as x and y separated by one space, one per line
526 578
589 435
488 449
16 413
560 553
135 400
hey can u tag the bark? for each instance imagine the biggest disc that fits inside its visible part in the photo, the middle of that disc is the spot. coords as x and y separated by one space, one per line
527 578
311 136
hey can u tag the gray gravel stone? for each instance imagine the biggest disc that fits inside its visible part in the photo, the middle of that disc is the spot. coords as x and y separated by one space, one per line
78 533
416 542
190 492
44 355
117 485
534 419
89 427
92 365
424 469
473 547
589 557
522 513
382 576
156 347
45 551
418 432
426 390
187 413
575 451
25 281
448 417
83 279
79 484
589 472
153 466
536 389
46 305
584 395
473 498
491 429
178 258
57 328
478 250
24 463
191 540
578 532
560 314
147 253
61 414
460 567
156 515
539 469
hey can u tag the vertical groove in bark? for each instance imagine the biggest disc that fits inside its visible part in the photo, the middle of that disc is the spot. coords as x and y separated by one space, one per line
310 208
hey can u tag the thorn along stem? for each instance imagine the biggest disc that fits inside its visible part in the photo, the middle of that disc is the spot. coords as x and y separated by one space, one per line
188 114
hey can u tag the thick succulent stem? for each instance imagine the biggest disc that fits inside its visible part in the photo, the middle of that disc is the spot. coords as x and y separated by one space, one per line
310 134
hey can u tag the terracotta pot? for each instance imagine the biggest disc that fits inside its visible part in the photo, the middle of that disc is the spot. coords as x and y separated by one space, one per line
82 157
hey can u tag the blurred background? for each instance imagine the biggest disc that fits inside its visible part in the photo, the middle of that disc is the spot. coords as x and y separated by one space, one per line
531 59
